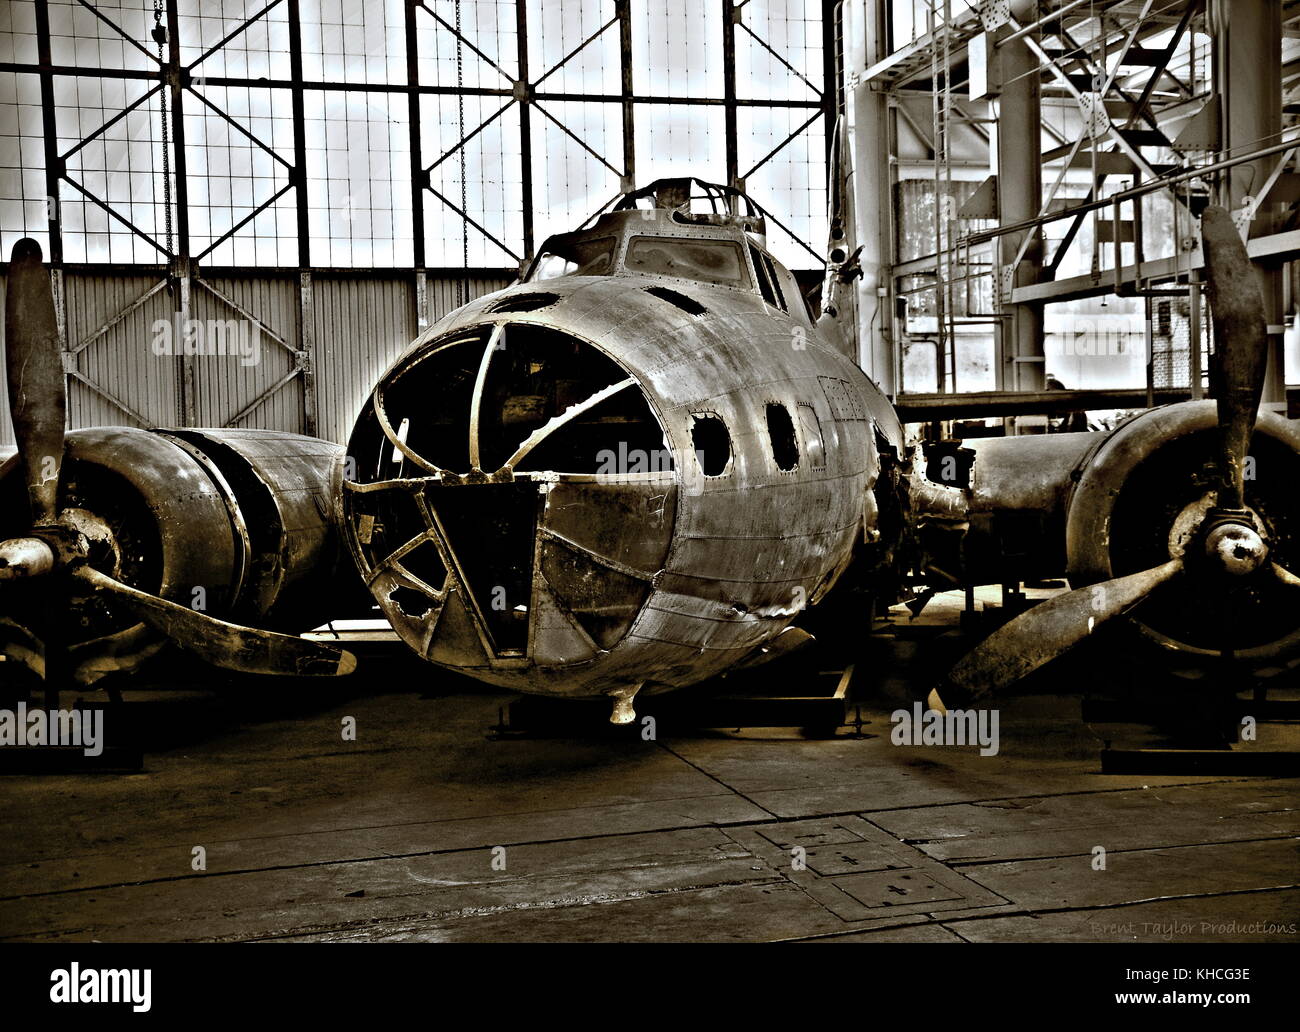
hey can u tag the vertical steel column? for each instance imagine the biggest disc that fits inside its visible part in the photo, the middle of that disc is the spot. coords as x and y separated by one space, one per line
177 79
299 138
1248 80
53 164
1020 195
524 95
417 168
832 80
1194 342
730 12
305 338
623 11
53 174
867 138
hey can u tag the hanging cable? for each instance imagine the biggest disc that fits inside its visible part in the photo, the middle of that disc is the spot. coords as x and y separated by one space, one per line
159 35
462 288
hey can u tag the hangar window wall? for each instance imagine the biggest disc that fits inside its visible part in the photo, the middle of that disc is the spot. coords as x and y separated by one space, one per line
334 175
397 133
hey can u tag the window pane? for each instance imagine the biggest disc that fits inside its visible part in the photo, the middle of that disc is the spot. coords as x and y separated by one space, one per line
709 261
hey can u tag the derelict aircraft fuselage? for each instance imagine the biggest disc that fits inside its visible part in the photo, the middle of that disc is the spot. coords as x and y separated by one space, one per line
636 472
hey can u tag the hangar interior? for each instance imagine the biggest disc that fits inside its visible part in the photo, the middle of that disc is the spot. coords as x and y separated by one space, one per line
250 209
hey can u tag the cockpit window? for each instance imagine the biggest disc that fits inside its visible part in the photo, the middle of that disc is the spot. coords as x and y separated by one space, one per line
708 261
589 257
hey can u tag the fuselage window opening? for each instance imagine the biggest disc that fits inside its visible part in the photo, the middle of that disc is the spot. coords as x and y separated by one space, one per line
780 428
814 445
707 261
790 287
764 284
768 281
575 258
712 443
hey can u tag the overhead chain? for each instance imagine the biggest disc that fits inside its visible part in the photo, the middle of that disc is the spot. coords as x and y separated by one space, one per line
159 35
462 287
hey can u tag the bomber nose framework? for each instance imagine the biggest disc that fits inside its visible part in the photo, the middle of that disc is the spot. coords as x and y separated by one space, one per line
482 518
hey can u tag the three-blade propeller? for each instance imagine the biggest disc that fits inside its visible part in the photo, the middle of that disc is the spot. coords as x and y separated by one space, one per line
55 546
1228 540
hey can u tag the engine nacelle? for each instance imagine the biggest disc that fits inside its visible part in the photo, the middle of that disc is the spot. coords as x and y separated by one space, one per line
235 522
1092 507
1140 498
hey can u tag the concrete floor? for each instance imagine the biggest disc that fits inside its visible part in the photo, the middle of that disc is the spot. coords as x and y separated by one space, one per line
611 838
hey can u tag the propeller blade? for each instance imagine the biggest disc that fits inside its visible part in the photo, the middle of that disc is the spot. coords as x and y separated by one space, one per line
121 650
21 647
1285 576
34 369
244 649
1240 347
1044 632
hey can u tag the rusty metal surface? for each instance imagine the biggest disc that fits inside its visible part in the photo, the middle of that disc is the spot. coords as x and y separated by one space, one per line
1238 365
1046 631
37 404
281 484
1026 473
189 516
230 646
1092 500
171 533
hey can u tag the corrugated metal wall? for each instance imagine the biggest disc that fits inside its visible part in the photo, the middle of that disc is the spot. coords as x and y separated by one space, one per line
120 360
226 385
359 325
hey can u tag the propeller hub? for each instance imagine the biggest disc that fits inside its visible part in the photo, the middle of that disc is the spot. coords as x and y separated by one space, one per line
25 557
1236 549
93 540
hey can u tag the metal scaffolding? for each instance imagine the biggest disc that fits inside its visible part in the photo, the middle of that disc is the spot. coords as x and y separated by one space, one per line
1101 129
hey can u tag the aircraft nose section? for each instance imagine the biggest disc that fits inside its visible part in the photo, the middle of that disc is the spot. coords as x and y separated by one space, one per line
492 510
599 548
489 532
